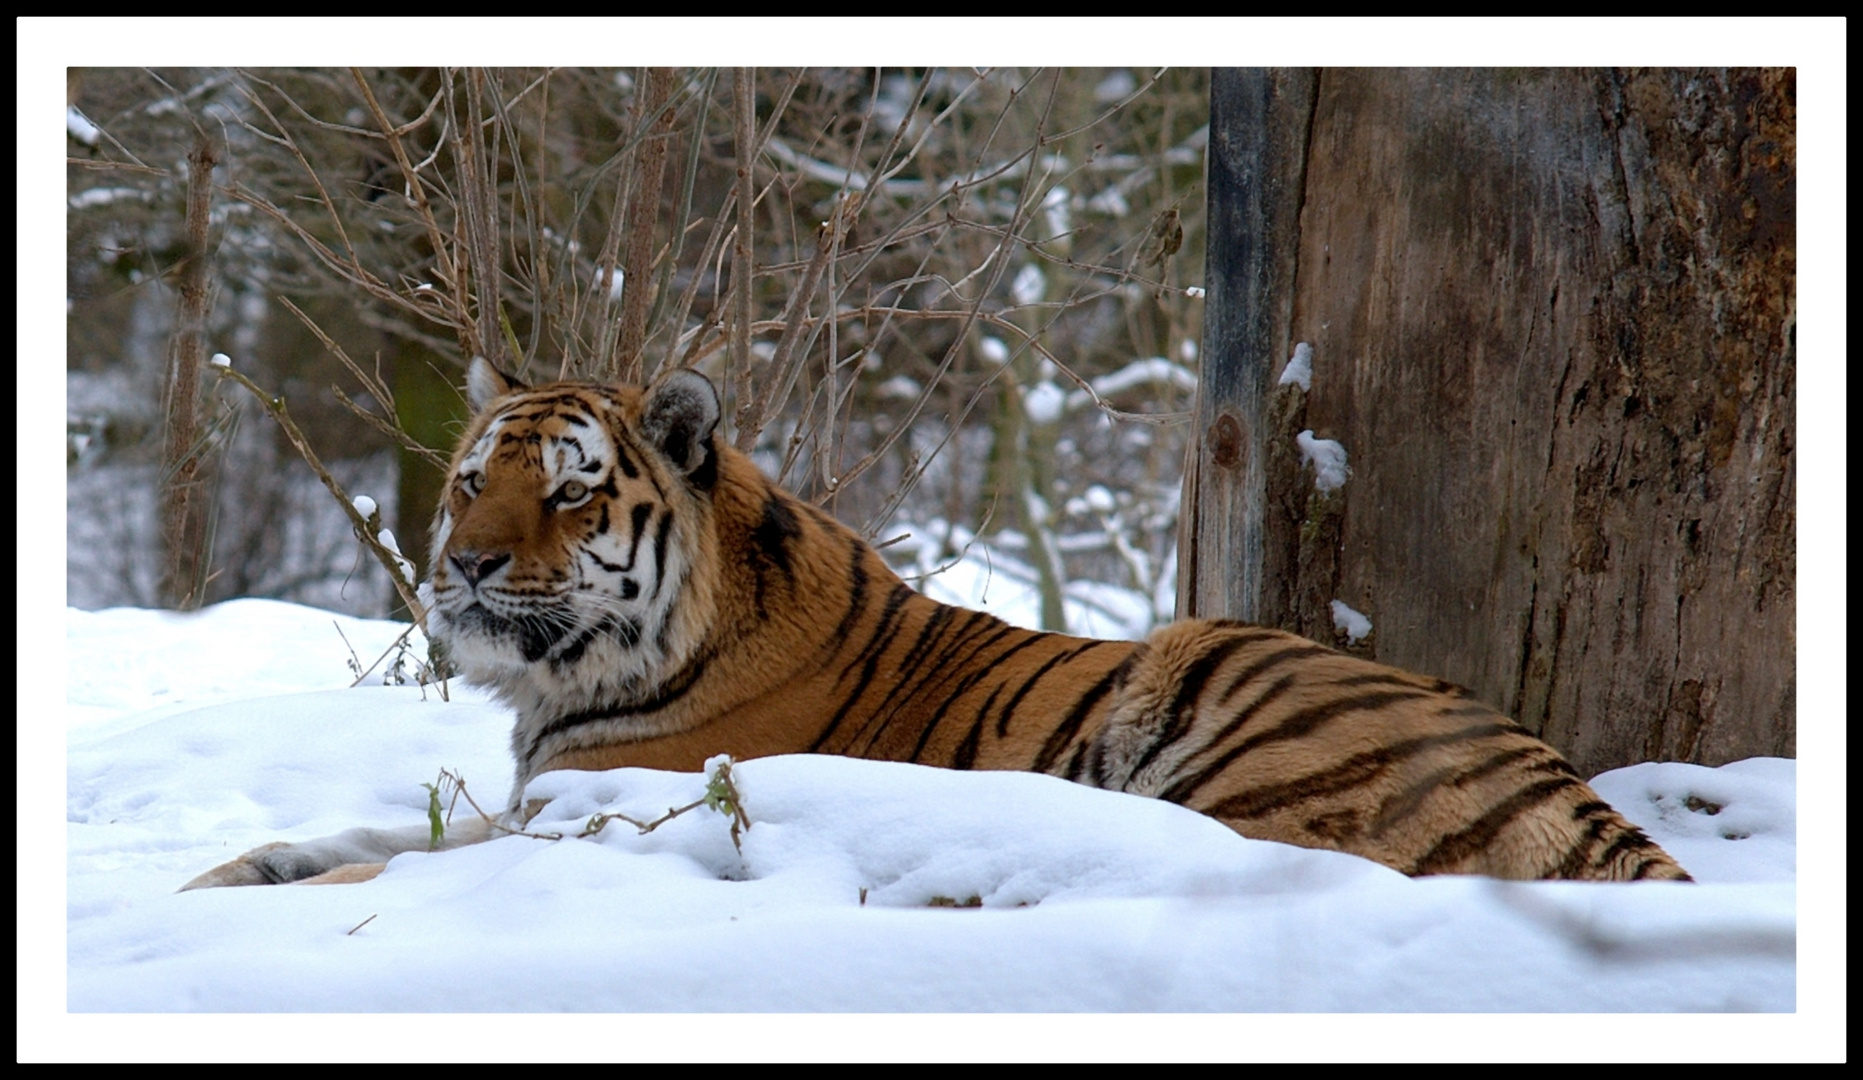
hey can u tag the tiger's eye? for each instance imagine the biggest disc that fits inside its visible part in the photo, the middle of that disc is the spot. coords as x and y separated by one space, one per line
573 491
473 483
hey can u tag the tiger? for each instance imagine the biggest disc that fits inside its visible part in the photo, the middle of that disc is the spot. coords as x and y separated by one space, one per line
641 594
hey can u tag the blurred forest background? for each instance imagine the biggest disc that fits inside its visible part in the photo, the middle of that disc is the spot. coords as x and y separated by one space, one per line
957 308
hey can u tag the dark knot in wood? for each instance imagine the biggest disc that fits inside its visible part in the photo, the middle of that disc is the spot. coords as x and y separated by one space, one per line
1226 442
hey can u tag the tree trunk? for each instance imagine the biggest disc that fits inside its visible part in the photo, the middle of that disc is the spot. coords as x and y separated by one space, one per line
185 496
1552 320
1257 151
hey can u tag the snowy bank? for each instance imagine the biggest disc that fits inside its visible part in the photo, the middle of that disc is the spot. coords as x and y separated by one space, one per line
861 886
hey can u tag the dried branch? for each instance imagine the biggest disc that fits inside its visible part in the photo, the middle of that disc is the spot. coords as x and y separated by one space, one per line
688 186
122 166
446 270
186 536
643 221
478 217
391 426
323 195
448 779
743 257
786 362
721 794
392 561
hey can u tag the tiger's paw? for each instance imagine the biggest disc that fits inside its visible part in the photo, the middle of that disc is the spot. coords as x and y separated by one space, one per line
277 863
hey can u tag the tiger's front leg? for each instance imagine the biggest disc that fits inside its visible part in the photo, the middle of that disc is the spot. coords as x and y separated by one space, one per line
346 858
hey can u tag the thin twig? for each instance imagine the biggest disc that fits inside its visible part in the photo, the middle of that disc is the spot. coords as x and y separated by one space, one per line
663 281
721 794
786 363
399 642
417 191
291 144
459 785
124 166
394 431
391 561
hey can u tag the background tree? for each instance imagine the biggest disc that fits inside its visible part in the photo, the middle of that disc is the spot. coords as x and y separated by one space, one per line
896 277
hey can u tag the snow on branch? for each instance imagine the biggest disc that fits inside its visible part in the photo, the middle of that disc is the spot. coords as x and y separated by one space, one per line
1150 371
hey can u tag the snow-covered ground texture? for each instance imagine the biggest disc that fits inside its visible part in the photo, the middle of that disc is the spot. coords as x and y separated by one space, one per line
861 886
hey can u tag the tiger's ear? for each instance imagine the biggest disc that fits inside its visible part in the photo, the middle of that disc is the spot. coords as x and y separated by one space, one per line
485 383
678 419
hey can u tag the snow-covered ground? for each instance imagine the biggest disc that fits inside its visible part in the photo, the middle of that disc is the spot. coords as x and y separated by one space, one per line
44 1030
193 738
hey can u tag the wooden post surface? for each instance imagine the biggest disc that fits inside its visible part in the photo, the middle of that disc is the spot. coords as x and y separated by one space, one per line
1551 315
1257 150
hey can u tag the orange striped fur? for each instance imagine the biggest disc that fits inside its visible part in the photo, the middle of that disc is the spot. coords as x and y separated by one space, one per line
643 596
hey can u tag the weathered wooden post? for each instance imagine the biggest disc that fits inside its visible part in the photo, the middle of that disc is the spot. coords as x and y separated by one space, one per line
1552 322
1257 155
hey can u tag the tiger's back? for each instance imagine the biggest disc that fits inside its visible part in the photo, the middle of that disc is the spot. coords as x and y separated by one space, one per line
643 596
812 644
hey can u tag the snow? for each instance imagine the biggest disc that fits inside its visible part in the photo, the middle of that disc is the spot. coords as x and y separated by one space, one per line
1195 292
1118 83
364 505
1147 372
1111 202
901 387
1817 1032
616 285
1747 801
1054 207
984 576
387 540
993 350
103 196
1029 284
221 359
1354 625
1328 459
1299 369
79 127
1084 900
1045 403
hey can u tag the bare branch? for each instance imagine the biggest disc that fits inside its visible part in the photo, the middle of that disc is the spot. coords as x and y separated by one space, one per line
743 258
123 166
391 560
643 219
448 272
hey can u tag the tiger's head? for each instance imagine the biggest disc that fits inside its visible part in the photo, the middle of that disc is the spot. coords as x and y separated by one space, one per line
569 555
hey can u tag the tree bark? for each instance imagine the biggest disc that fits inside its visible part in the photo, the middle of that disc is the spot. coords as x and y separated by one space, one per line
643 221
185 493
1552 319
1258 133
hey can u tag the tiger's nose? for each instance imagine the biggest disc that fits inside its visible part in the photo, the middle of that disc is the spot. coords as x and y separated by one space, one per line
475 566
